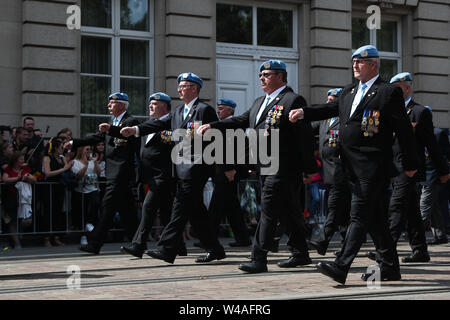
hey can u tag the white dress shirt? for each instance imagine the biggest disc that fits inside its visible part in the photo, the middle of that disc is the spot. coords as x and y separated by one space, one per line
359 96
272 96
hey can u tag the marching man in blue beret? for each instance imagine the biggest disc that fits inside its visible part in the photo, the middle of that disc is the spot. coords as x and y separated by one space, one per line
279 189
191 177
155 171
370 112
120 154
404 203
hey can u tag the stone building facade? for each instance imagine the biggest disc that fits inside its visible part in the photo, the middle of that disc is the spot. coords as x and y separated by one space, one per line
61 77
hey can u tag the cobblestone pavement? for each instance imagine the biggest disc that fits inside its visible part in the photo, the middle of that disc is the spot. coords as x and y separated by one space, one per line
42 274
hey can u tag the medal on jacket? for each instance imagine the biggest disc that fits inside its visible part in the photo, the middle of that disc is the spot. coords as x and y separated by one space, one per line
190 130
364 122
119 142
273 118
376 118
166 136
427 154
334 138
370 125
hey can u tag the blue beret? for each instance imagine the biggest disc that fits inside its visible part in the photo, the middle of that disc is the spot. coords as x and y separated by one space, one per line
334 92
227 102
368 51
160 96
192 77
404 76
118 96
272 65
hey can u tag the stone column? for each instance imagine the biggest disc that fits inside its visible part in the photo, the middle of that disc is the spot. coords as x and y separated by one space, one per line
50 66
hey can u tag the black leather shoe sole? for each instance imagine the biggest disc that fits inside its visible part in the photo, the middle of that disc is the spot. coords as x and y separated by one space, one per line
210 257
331 272
161 256
292 263
90 249
250 268
133 252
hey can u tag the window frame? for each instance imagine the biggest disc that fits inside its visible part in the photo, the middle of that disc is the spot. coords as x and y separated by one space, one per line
385 55
257 50
116 34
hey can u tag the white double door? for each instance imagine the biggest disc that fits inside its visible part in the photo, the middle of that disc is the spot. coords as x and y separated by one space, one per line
237 79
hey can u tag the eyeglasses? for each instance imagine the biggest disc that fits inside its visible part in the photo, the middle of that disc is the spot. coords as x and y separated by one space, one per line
184 86
266 74
361 61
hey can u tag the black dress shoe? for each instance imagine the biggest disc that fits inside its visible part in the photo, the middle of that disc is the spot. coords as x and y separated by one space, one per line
330 269
134 250
372 255
211 256
90 248
295 261
436 242
337 253
417 256
320 246
182 252
161 255
253 267
386 274
239 244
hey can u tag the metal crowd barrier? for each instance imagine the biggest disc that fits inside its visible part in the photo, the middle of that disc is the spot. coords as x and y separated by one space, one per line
39 205
246 187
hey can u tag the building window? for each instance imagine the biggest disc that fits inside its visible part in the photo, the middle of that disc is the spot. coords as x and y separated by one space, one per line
116 51
386 39
257 26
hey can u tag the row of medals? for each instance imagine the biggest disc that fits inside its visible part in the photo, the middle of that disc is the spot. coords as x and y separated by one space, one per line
334 138
166 136
370 122
272 118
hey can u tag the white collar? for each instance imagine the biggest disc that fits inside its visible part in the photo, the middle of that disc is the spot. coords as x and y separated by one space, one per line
368 83
274 94
190 104
407 101
119 118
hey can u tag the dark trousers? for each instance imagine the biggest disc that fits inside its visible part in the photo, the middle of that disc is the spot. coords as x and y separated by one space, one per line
118 197
434 208
368 213
339 200
85 207
225 203
188 206
404 208
53 216
280 201
158 198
